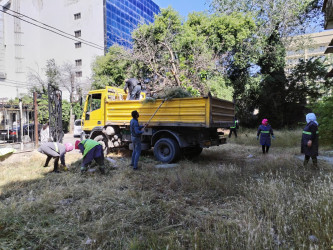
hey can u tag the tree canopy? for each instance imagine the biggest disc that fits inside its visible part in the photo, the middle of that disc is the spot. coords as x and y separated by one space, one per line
237 53
195 54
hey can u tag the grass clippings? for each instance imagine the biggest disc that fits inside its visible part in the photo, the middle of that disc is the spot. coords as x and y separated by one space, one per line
219 200
168 94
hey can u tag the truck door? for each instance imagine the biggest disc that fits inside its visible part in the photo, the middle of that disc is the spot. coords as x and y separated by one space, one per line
94 112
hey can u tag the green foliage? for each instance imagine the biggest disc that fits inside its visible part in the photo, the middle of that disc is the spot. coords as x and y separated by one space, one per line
66 108
308 81
197 51
286 16
175 92
26 99
111 69
218 86
43 109
324 111
77 110
278 98
273 86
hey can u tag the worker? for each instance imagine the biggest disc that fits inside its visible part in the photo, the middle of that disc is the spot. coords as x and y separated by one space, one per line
265 131
45 133
136 132
234 127
309 145
91 150
57 151
134 89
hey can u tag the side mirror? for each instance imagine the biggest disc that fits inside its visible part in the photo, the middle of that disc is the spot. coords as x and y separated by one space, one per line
87 116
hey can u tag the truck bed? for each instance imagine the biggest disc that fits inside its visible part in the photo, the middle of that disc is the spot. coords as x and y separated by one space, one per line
192 112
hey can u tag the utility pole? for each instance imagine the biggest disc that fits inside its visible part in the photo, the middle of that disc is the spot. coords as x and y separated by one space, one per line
21 122
36 119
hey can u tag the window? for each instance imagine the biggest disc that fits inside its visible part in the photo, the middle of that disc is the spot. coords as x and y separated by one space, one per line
78 73
77 16
77 33
96 101
311 50
78 45
78 62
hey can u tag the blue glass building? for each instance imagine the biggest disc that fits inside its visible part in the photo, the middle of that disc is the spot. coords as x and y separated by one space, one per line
123 16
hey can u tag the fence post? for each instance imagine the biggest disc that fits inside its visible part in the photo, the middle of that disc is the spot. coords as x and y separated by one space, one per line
36 119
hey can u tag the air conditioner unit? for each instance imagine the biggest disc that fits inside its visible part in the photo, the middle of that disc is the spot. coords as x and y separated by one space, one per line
3 75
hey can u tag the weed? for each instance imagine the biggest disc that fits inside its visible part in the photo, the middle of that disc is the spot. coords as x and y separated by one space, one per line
223 199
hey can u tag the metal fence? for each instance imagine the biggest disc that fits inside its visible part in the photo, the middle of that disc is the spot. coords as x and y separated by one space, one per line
16 127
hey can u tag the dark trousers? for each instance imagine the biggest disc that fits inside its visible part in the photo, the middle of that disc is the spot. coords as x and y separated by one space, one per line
136 151
265 149
233 130
96 153
56 162
314 160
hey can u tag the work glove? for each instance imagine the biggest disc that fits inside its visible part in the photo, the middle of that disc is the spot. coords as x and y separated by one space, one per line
64 167
257 137
273 136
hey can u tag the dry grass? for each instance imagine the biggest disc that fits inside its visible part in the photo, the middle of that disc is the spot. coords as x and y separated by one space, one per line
220 200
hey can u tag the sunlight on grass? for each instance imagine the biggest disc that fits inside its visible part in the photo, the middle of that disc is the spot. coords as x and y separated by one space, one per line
230 197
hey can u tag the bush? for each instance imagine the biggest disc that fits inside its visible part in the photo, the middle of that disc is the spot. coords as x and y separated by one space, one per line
325 119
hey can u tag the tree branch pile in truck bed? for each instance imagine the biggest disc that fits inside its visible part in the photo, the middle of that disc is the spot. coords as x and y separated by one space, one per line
170 93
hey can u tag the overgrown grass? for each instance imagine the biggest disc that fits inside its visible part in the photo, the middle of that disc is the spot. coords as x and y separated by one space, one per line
283 138
220 200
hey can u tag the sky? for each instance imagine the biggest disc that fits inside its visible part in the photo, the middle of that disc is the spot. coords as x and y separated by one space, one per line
184 7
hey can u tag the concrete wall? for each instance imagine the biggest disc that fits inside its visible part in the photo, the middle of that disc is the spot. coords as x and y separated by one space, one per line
27 47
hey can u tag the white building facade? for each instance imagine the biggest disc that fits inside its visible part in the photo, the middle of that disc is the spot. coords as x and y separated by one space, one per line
25 47
68 31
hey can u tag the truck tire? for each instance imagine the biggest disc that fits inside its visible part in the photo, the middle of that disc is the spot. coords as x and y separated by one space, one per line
166 150
103 141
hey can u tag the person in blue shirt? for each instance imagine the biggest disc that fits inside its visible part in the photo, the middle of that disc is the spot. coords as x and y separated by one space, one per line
265 131
136 132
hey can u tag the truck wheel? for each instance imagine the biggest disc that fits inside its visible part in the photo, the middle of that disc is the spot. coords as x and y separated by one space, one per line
103 141
166 150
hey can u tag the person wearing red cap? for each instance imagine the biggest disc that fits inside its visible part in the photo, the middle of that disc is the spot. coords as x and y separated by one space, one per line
265 131
57 151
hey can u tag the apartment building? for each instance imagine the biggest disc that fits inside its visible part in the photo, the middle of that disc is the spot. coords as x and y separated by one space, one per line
316 44
69 31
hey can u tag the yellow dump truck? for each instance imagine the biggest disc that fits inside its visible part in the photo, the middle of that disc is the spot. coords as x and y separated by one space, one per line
176 126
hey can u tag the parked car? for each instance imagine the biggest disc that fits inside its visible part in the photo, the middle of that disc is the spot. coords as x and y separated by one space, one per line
78 128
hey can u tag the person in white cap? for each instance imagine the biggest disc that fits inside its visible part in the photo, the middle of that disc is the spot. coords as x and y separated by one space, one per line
309 145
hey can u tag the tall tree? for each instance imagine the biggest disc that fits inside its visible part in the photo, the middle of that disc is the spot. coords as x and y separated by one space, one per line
273 86
191 53
111 69
288 17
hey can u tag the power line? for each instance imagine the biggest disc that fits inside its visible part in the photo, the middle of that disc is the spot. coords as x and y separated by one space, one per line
76 40
50 26
13 86
16 82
